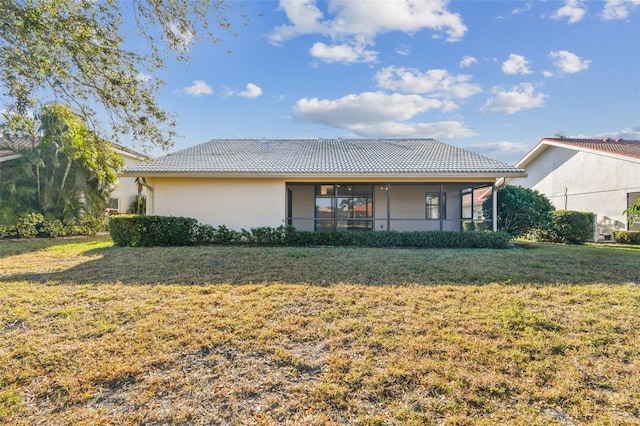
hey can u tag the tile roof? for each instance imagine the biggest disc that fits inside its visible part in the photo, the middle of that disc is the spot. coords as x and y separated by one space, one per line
323 156
9 147
629 148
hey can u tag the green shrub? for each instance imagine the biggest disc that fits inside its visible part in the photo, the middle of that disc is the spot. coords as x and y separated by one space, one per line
627 237
135 230
520 210
54 228
569 227
28 225
417 239
85 226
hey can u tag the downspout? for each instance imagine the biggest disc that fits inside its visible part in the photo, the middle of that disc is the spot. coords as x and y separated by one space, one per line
388 207
150 199
494 209
441 207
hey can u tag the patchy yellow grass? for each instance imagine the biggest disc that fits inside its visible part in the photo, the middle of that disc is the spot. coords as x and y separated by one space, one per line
117 351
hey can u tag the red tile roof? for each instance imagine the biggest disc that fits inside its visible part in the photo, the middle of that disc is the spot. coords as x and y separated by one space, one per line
624 147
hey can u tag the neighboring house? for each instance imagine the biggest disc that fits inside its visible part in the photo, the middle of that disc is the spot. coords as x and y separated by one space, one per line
592 175
322 184
120 197
125 191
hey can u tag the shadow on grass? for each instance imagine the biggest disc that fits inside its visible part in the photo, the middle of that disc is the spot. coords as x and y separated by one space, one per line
14 247
545 265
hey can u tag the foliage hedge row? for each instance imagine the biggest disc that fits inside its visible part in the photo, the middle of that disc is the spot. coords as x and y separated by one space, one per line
32 225
627 237
133 230
136 230
568 227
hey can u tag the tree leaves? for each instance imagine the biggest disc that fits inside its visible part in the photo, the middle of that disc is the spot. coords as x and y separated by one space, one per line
74 51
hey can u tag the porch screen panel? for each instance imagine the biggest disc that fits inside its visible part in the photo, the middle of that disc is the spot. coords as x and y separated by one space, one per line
324 213
344 207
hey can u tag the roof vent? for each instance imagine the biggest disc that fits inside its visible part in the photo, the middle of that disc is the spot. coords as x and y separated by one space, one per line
618 139
605 140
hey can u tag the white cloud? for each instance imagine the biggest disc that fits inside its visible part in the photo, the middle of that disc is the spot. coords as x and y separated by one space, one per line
365 108
251 92
630 133
403 50
377 114
509 152
437 130
437 82
182 37
569 63
516 64
619 9
467 61
343 53
527 6
305 18
356 24
518 98
573 10
198 88
143 77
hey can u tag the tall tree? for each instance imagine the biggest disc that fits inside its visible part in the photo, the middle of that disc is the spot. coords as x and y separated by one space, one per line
67 173
73 51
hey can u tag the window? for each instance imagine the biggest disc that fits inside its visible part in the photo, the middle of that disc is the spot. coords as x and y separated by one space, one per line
113 204
344 207
436 207
467 203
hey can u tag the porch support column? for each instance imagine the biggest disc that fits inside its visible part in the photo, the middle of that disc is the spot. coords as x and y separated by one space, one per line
441 206
494 208
388 207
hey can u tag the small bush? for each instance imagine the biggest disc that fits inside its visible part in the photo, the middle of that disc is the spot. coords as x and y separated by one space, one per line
28 225
54 228
135 230
569 227
627 237
31 225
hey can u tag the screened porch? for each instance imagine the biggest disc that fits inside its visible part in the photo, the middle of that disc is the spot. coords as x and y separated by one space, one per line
388 206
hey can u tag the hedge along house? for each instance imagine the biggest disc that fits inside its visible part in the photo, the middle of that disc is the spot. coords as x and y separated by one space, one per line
323 184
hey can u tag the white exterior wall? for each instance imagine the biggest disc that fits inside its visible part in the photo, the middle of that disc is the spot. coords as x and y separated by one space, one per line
235 203
126 187
596 183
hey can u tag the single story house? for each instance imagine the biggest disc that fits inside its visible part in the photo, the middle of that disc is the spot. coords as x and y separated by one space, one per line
323 184
592 175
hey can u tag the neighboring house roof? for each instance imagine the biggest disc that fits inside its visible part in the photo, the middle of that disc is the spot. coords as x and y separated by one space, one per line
629 149
10 147
310 157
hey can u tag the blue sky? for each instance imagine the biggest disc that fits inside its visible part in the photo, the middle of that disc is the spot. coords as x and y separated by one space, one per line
490 76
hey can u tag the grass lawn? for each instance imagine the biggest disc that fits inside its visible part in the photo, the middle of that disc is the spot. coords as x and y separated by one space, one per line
96 334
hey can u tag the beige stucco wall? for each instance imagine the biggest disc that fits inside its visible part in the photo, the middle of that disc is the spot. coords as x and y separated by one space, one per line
235 203
126 187
595 183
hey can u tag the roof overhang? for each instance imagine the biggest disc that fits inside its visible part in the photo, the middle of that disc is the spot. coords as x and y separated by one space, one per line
544 144
330 176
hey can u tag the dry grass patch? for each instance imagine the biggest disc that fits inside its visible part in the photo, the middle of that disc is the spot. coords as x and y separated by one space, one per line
120 351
